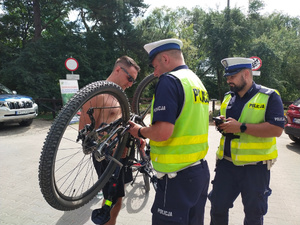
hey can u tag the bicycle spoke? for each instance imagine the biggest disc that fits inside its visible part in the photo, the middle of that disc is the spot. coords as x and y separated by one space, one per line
67 175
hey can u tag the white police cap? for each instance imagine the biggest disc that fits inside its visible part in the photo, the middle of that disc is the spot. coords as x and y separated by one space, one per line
163 45
236 64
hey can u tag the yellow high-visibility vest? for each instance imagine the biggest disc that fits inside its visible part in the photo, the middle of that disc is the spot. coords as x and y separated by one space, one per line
248 149
189 141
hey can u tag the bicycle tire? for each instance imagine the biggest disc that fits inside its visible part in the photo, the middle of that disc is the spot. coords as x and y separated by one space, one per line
142 97
146 182
141 103
146 178
72 188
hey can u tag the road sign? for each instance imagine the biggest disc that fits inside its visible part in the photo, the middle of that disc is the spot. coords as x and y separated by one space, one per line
71 64
68 88
72 76
257 63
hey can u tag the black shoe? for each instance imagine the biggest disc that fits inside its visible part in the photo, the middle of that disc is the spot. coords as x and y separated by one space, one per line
102 215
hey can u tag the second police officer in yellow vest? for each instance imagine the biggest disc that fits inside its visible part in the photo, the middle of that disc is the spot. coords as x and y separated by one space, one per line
253 118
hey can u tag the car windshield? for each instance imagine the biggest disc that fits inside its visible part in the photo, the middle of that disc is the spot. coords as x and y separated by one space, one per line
297 102
4 90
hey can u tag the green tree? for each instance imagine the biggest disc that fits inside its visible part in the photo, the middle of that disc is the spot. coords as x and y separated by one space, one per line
278 47
165 23
228 34
38 60
36 37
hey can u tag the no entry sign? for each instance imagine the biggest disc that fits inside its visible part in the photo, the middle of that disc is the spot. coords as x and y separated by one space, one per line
71 64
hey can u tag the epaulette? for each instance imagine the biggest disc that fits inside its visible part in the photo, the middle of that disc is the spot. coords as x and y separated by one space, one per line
267 91
229 92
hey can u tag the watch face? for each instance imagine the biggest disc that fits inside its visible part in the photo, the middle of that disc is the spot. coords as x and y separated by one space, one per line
243 128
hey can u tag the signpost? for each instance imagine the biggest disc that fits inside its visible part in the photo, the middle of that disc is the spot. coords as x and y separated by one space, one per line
257 63
69 86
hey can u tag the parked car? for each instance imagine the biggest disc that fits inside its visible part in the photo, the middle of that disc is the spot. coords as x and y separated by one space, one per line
16 108
292 127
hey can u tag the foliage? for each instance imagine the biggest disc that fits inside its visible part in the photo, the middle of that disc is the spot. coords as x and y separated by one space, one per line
36 37
39 62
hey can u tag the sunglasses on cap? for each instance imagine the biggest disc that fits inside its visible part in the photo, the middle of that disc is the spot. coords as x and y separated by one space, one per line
129 78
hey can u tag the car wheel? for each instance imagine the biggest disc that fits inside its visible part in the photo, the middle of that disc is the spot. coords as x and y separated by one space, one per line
285 120
26 123
295 139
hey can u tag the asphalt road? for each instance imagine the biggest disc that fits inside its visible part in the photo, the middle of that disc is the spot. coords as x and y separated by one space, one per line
21 201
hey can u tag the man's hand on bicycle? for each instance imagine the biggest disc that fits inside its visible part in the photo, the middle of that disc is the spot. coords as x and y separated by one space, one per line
142 144
134 128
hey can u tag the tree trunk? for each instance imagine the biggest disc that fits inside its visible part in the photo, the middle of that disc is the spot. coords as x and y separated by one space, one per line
37 20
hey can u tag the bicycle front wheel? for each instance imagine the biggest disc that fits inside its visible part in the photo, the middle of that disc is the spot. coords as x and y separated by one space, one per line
67 174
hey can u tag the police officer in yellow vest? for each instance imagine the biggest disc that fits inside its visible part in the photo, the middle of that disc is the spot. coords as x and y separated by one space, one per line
253 118
178 137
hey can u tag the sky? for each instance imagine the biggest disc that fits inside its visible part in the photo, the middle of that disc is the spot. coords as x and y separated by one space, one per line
289 7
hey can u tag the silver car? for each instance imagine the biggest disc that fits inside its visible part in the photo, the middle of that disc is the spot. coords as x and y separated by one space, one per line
16 108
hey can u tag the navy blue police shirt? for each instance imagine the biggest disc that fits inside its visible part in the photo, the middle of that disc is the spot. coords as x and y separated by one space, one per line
274 112
169 97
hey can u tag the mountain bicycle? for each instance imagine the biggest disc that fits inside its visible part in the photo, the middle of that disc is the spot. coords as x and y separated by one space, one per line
67 176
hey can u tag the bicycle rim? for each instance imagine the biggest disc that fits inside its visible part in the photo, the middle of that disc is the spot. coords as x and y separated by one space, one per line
146 178
67 176
146 182
142 97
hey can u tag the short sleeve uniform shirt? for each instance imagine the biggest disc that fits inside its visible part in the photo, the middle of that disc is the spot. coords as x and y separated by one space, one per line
169 97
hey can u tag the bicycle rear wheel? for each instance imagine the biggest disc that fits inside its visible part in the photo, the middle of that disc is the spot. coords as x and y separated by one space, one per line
141 105
67 176
142 168
142 98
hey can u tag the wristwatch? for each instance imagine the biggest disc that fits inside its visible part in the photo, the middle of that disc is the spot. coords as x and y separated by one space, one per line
243 127
140 134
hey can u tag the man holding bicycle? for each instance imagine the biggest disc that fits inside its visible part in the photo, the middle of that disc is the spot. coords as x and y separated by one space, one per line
124 74
178 137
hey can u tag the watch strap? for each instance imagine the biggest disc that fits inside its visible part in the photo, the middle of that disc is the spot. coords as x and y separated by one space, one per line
140 134
243 127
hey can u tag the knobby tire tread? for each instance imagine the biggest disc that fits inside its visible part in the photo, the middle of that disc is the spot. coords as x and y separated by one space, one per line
52 141
138 92
135 107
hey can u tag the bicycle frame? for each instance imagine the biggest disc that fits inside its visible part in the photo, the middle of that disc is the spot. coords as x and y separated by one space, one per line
115 131
68 178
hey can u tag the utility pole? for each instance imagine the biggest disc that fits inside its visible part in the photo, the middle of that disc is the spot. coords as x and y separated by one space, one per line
228 3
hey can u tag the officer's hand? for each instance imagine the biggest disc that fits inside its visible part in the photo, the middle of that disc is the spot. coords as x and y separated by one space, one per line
231 125
133 130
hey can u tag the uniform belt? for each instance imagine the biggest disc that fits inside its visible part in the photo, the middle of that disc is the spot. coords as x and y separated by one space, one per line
160 175
270 162
252 163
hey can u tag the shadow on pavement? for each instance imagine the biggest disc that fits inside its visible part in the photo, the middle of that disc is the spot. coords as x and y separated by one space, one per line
78 216
294 147
136 198
37 125
12 128
135 201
